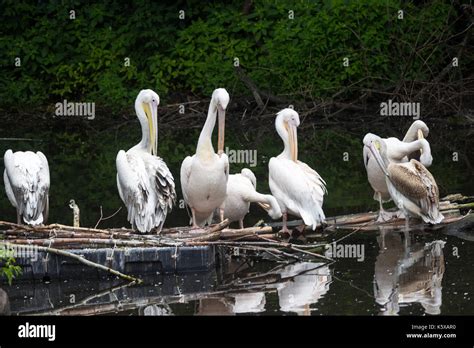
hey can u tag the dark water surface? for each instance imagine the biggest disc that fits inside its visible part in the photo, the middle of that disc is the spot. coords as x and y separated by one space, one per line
426 271
417 275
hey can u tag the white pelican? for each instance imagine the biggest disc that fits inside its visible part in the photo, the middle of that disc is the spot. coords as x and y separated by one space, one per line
410 184
26 178
144 181
204 175
298 189
241 191
398 151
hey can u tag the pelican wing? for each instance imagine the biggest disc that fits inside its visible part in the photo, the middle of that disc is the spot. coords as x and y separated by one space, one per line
185 173
302 187
163 186
147 188
415 182
27 183
317 182
133 188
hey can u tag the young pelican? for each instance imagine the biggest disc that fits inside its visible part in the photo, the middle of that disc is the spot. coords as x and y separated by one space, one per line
398 151
26 179
410 184
241 191
204 175
144 181
298 189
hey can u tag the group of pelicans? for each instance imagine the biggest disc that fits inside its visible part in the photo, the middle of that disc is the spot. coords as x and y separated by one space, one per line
396 171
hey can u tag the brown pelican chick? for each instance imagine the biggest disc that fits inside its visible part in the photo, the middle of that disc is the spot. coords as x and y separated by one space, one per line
410 184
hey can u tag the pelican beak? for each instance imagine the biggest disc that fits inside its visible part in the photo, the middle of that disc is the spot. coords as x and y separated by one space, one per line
150 113
221 130
154 117
293 139
420 136
378 158
264 206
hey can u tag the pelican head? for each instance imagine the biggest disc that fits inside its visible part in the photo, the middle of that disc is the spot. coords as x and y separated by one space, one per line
290 120
421 128
274 210
425 158
422 131
146 106
220 100
418 130
378 148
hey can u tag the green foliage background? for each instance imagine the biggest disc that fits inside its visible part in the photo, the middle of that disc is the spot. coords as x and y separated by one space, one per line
83 59
301 58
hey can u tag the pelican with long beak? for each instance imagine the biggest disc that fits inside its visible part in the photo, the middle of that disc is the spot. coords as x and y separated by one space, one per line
144 182
204 175
298 189
414 145
241 191
410 184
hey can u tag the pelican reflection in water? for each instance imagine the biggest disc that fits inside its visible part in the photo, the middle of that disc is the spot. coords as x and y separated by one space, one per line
408 274
307 283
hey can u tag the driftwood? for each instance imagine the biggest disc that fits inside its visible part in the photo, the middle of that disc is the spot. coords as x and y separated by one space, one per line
257 239
228 233
451 207
68 237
